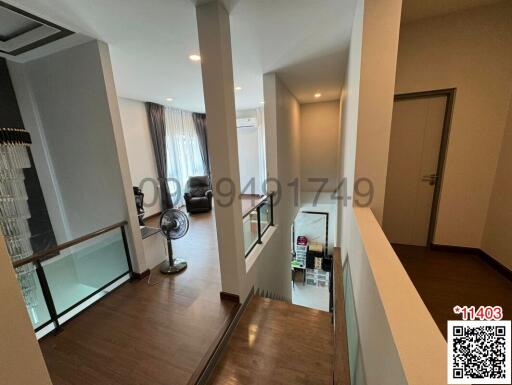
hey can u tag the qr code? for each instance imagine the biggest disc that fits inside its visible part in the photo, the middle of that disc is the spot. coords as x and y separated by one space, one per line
479 352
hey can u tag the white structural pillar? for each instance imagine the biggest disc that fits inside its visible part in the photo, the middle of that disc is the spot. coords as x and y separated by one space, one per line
134 237
218 86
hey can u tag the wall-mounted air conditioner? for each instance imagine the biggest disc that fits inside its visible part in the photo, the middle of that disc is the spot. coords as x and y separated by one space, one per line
246 122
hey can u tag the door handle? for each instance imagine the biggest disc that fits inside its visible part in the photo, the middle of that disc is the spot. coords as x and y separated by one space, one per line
432 178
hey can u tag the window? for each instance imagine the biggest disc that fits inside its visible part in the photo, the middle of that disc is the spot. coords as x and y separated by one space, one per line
183 153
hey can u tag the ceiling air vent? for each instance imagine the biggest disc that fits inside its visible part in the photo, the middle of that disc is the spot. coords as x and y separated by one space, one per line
21 31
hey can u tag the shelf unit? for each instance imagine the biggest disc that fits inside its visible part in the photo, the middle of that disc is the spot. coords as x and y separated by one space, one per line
300 254
316 277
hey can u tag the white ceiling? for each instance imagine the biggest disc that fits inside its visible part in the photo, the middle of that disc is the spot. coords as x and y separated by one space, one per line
421 9
305 41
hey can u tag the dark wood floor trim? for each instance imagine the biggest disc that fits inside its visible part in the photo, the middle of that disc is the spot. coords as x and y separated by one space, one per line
229 297
212 357
455 249
144 274
496 264
475 251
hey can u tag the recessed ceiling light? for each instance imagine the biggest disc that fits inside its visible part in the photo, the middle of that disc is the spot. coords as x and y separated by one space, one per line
195 57
317 95
238 88
168 99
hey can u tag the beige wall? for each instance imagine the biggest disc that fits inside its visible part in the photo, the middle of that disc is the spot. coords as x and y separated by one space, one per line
498 228
469 51
319 144
21 361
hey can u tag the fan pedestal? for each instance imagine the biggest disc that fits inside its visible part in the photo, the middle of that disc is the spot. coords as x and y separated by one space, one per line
177 266
172 266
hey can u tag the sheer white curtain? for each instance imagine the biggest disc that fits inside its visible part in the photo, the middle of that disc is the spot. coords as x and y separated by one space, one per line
183 153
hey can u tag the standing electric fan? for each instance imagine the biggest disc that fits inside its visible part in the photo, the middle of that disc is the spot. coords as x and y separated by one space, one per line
174 225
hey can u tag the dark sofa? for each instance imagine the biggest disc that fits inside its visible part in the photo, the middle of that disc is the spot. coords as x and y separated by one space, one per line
198 194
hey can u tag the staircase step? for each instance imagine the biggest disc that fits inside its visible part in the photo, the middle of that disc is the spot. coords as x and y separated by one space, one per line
277 342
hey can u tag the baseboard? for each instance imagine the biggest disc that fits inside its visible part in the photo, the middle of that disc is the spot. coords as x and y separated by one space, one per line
149 217
496 264
455 249
202 375
145 273
229 297
476 251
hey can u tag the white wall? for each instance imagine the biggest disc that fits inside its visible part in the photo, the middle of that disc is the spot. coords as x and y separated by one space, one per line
249 150
67 104
327 205
319 144
380 285
141 157
367 103
387 331
218 86
319 151
271 270
288 152
349 107
381 25
77 128
469 51
366 110
39 148
248 157
498 229
134 237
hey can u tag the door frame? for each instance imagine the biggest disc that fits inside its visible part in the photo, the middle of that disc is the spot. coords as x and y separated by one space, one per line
450 101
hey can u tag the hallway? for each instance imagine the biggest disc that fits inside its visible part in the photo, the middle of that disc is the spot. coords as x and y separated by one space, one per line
445 279
154 331
277 343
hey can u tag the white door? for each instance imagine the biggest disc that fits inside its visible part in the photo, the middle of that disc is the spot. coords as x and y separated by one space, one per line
416 135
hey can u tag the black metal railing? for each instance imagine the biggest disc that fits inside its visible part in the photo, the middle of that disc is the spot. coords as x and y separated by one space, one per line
257 221
45 283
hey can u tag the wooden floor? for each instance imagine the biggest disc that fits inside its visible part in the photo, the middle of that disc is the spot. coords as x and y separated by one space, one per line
277 343
147 335
445 279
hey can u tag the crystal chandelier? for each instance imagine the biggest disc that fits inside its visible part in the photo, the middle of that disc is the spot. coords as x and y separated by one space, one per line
14 210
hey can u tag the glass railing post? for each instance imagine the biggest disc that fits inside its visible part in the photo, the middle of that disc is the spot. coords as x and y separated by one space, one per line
69 284
127 251
258 215
47 295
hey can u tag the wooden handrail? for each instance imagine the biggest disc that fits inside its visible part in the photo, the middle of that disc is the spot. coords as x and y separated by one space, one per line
341 364
52 252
